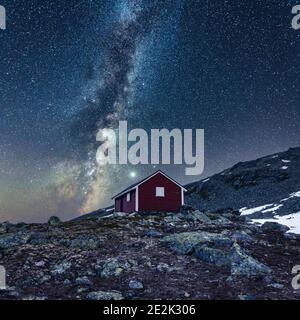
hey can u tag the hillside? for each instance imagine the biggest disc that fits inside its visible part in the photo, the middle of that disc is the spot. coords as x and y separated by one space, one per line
269 186
209 250
189 255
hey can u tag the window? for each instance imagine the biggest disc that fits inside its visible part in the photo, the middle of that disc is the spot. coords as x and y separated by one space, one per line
160 191
128 197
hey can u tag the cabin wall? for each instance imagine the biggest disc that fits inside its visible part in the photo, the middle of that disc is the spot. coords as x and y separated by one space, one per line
148 200
121 204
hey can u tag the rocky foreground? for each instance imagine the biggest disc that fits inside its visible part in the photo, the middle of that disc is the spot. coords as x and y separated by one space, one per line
189 255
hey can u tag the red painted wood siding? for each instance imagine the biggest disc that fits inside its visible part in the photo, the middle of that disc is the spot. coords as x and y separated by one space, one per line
147 195
121 204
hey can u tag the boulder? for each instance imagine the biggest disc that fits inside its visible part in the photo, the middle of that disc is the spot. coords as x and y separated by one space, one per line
163 267
113 267
274 227
239 236
278 286
135 284
40 263
216 249
218 257
105 295
61 268
186 242
54 221
83 281
243 264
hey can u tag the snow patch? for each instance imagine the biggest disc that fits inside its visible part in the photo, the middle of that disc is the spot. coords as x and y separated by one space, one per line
273 209
292 195
284 167
286 161
245 211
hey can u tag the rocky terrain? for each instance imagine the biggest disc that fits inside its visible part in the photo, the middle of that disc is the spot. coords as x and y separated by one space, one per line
188 255
225 244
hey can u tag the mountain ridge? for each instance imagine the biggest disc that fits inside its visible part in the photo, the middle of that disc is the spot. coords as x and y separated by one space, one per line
266 180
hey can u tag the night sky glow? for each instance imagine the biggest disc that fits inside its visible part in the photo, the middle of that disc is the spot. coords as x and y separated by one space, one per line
69 68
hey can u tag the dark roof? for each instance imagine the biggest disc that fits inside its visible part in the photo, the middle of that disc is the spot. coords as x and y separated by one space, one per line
141 181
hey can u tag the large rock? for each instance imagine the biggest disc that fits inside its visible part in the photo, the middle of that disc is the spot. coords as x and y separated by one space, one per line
54 221
215 256
186 242
83 281
135 284
105 295
238 236
114 267
243 264
61 268
274 227
216 249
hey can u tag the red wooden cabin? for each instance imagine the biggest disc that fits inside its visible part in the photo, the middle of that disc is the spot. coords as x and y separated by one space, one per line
157 192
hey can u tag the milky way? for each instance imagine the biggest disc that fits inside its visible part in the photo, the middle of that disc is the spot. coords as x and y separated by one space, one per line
71 68
110 102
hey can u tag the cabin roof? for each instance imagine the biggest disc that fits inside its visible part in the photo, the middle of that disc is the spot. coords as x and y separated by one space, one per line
133 186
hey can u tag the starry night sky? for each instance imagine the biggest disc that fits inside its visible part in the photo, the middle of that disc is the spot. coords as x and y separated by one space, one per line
68 68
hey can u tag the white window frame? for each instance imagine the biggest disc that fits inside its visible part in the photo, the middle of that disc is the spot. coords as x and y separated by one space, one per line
128 197
160 192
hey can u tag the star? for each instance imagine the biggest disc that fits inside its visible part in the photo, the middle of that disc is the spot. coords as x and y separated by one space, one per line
132 174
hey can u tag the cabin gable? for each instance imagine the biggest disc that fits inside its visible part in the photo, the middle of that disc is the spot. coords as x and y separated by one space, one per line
159 194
